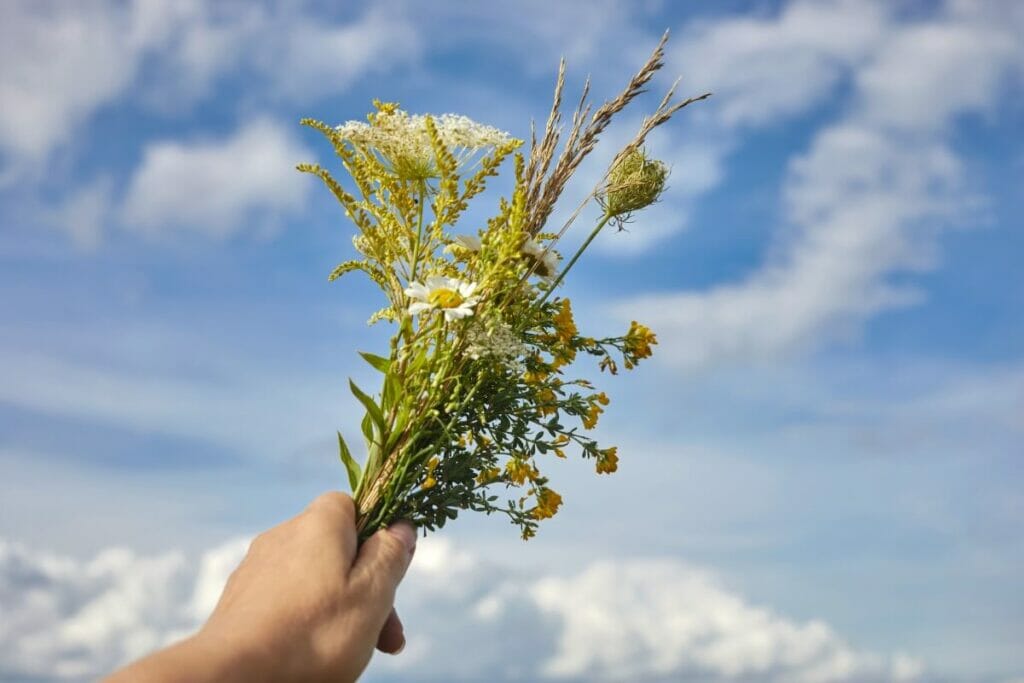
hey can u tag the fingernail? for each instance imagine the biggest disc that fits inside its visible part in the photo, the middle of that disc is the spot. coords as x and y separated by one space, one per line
406 533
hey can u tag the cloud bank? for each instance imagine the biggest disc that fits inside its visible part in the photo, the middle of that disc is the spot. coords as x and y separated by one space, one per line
615 620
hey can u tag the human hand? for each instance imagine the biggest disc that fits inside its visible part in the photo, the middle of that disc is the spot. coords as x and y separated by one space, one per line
306 605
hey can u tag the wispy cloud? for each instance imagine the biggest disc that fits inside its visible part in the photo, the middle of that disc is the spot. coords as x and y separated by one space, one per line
870 197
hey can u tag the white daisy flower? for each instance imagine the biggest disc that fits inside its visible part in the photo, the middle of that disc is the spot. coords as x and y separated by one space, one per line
453 296
465 242
546 260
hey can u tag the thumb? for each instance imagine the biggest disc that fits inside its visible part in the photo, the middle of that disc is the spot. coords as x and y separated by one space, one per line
382 562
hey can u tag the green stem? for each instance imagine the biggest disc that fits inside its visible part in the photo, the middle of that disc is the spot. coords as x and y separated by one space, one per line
579 252
419 232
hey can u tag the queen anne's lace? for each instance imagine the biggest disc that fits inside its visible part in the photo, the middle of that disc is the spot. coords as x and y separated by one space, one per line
497 342
403 141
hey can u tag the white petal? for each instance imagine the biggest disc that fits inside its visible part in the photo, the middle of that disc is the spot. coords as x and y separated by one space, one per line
531 248
466 289
416 291
437 282
419 307
457 313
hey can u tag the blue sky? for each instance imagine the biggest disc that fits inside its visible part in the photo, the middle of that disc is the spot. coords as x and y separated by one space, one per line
821 467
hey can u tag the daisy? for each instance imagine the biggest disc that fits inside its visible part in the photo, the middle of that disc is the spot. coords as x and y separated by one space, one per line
453 296
545 260
470 243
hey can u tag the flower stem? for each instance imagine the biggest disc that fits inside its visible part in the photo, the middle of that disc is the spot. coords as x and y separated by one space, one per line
579 252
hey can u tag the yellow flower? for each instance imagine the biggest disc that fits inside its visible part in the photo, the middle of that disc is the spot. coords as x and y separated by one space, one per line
519 471
531 377
594 411
565 326
607 460
547 402
548 502
487 475
638 343
430 482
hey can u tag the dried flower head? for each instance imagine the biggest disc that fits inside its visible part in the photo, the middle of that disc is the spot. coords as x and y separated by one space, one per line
634 182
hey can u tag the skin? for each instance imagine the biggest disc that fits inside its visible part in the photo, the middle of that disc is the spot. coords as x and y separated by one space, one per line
307 604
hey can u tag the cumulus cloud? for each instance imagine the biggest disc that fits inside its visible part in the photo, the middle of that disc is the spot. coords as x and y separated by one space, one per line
64 61
635 620
872 193
216 187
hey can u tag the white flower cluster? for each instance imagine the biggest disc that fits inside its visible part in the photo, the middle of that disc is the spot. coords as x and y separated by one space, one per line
497 342
402 139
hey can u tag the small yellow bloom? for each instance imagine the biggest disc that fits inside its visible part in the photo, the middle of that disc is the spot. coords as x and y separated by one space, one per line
639 340
565 326
607 460
548 502
519 471
593 412
487 475
428 483
547 402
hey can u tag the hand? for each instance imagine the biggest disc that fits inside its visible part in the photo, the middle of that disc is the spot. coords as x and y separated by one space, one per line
303 605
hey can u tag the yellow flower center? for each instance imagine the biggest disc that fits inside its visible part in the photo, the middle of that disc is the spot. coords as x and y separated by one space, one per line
443 297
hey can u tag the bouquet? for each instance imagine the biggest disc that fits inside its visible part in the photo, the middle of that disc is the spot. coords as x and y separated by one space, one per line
476 386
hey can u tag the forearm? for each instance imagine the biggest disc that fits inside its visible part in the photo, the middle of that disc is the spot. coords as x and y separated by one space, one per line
198 659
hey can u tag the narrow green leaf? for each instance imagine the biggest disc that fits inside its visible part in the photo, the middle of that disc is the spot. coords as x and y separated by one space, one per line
372 409
351 466
378 362
367 425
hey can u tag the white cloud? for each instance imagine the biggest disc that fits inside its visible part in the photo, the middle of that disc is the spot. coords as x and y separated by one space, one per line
74 620
865 202
637 620
217 187
765 69
64 61
61 61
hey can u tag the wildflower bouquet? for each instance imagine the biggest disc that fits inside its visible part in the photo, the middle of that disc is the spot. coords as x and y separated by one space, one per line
475 386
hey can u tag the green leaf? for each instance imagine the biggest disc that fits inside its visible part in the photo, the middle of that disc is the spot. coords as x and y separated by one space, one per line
378 362
351 466
367 426
372 409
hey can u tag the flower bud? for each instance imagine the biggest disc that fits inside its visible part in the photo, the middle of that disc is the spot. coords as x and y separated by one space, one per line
635 182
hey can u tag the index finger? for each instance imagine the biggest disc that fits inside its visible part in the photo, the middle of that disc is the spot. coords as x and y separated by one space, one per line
338 512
